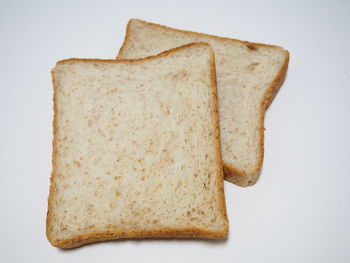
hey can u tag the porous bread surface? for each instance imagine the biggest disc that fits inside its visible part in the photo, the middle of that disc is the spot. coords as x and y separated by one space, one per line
136 150
248 77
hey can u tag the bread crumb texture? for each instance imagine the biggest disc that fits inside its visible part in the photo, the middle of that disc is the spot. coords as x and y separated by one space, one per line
136 150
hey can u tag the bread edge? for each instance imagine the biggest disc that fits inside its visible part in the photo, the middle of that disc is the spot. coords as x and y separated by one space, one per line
126 38
220 180
53 161
232 174
137 60
167 232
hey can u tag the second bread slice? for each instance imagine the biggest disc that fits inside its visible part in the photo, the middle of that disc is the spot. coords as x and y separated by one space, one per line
136 150
248 77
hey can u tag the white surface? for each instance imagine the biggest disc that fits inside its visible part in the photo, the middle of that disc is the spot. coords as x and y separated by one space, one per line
298 211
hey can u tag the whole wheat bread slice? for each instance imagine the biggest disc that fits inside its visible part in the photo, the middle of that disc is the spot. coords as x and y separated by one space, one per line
248 78
136 149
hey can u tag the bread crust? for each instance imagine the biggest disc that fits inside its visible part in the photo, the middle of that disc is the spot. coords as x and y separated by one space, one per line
192 232
54 155
166 233
220 181
233 174
126 39
137 60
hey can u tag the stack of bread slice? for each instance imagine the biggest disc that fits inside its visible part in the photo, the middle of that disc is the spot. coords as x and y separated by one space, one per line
142 143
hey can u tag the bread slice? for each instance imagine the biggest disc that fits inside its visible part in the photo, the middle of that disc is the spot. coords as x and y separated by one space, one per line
248 78
136 149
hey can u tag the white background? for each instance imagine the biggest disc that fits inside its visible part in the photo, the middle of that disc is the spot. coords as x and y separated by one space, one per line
299 211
